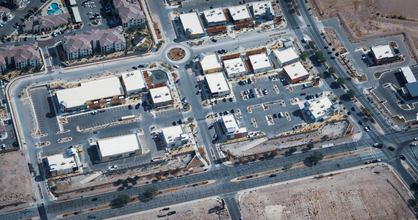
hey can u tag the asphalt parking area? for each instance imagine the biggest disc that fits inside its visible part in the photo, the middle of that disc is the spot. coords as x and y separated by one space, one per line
172 113
44 110
98 7
110 115
11 137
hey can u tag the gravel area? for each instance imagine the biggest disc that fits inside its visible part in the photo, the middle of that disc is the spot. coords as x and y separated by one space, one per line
369 193
203 210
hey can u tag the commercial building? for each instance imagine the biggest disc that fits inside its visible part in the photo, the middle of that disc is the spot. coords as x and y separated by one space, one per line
217 29
129 13
76 14
107 41
319 109
214 17
263 9
134 82
286 56
63 163
407 74
235 67
45 23
210 63
288 43
260 63
240 13
218 84
412 89
231 129
296 72
119 147
93 94
191 25
383 54
19 56
161 97
174 136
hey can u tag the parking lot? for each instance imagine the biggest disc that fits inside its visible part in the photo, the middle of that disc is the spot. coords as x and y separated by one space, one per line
99 7
44 110
11 137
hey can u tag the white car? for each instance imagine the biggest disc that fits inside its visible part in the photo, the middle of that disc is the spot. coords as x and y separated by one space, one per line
416 139
412 144
113 167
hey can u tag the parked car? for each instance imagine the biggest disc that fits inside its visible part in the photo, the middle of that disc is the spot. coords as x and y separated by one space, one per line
176 66
274 115
272 175
391 148
172 213
366 129
302 94
134 67
377 160
378 145
213 40
402 157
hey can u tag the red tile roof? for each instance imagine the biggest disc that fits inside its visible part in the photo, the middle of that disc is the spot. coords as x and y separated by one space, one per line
47 21
129 11
19 53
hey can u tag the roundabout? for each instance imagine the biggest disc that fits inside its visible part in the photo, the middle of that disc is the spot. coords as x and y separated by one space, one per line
177 53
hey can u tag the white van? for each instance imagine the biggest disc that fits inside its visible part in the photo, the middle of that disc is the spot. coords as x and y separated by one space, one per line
281 115
176 66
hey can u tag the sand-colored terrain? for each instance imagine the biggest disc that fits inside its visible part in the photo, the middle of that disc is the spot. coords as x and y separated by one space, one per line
15 184
371 19
369 193
202 210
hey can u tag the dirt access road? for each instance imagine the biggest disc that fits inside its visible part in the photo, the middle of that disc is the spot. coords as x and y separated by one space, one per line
368 193
372 19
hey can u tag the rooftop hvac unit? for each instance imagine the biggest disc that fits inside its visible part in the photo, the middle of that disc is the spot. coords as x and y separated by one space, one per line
132 73
256 11
219 88
266 60
219 13
265 4
62 163
322 106
218 84
296 74
240 64
166 94
242 9
238 11
387 51
127 74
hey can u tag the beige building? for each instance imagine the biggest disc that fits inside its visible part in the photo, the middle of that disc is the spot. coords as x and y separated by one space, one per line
260 63
134 82
218 84
174 136
63 163
286 56
296 72
240 13
192 26
235 67
19 56
129 13
210 63
161 97
119 147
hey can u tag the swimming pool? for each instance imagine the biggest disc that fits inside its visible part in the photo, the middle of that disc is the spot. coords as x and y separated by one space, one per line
54 9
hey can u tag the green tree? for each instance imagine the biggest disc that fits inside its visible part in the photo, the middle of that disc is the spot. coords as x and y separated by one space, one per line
290 164
150 192
351 93
122 199
310 145
273 153
316 156
331 70
118 182
305 55
321 75
190 119
320 56
325 137
340 80
132 28
292 150
266 154
312 44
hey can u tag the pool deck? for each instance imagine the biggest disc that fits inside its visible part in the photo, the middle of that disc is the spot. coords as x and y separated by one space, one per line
45 9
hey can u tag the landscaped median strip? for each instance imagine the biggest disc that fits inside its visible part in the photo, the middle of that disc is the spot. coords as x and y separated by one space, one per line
295 165
135 199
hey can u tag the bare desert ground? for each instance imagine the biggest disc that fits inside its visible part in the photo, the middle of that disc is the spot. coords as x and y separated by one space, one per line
370 19
15 185
203 210
369 193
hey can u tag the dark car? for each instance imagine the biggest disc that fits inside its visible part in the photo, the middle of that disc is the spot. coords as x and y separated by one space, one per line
134 67
272 175
224 51
95 199
391 148
249 81
231 99
353 109
174 123
137 106
232 111
213 40
220 52
274 115
402 157
172 213
25 39
360 123
141 66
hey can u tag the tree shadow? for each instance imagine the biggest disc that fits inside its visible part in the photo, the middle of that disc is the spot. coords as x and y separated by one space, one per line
345 97
334 85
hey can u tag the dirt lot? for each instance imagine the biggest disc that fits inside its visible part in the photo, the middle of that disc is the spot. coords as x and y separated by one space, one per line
370 19
206 209
334 37
370 193
15 185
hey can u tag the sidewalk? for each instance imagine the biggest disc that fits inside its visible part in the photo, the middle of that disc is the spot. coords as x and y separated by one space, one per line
150 21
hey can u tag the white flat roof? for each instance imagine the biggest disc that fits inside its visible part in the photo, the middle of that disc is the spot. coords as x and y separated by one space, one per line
173 134
92 90
260 61
286 55
235 65
160 94
231 124
320 107
62 161
118 145
295 70
191 21
134 80
76 14
214 15
407 73
217 82
382 51
259 8
210 61
73 2
239 12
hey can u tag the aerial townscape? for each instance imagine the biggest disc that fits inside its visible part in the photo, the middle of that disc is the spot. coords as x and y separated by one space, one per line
208 109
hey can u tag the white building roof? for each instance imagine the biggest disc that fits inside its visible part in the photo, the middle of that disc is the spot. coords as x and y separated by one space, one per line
174 134
134 80
73 2
286 55
382 51
217 82
235 66
407 73
62 161
118 145
160 94
320 107
214 15
231 124
92 90
295 70
259 8
210 61
239 12
191 21
76 14
260 61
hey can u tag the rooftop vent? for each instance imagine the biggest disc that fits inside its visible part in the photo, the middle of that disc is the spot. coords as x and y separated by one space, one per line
166 94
